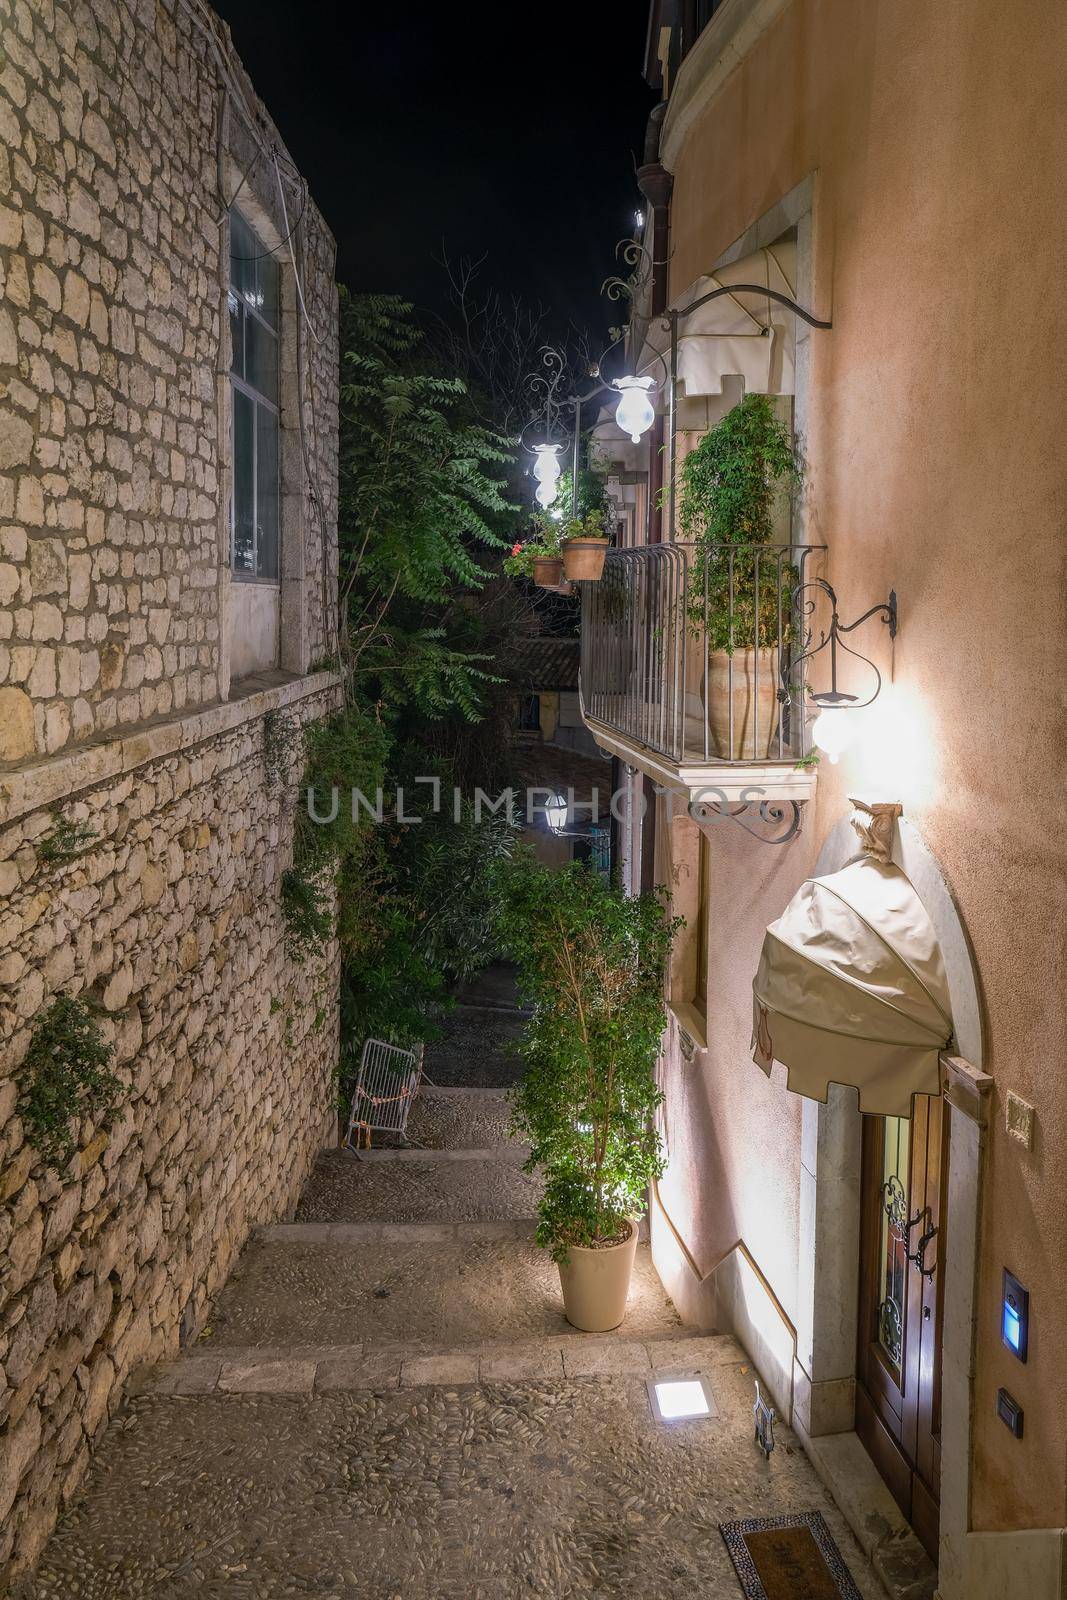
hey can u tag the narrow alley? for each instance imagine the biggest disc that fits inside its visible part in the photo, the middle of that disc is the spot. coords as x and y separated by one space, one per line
388 1401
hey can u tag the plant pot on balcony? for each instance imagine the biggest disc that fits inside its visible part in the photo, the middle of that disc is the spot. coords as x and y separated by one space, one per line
547 571
596 1284
583 559
755 704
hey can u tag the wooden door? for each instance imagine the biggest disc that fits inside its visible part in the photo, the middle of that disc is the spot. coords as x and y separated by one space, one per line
898 1394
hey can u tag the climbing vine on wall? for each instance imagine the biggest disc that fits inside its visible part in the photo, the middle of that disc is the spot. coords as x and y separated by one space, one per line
65 1076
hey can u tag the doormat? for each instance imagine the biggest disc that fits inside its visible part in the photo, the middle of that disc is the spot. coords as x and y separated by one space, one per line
788 1558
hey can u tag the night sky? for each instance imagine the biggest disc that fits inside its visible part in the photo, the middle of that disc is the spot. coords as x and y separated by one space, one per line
477 128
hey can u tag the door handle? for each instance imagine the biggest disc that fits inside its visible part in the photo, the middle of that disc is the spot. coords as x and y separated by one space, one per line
919 1258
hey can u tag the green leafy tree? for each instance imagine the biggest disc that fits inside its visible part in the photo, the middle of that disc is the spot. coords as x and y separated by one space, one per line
421 502
592 962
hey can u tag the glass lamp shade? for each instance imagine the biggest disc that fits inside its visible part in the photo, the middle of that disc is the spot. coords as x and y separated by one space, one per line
634 413
546 471
832 732
556 813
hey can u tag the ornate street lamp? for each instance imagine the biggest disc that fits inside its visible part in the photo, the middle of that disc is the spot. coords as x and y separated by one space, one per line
635 413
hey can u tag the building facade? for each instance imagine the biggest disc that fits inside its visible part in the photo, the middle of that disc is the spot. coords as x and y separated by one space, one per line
168 488
889 170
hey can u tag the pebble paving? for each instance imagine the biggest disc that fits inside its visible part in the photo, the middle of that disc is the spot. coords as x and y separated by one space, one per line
344 1188
485 1493
459 1121
448 1293
477 1048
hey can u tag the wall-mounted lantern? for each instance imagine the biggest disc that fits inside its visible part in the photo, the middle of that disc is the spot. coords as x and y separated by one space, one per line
832 730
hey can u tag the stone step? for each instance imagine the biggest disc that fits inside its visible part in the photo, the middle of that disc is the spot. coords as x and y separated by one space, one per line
426 1186
453 1290
304 1369
453 1117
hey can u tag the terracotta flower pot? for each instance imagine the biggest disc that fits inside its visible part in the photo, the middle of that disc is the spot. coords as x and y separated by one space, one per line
755 704
583 559
596 1284
547 570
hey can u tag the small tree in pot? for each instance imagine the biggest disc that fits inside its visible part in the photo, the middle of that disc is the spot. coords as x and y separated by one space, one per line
592 963
729 489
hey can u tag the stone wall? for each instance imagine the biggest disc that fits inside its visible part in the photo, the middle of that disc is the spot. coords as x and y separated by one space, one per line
171 921
117 143
122 141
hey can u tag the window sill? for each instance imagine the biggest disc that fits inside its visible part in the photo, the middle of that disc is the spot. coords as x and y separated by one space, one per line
43 781
690 1020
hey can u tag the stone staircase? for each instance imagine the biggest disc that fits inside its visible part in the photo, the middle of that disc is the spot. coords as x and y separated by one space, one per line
388 1401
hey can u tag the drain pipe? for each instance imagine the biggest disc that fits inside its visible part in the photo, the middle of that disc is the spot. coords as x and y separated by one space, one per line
655 184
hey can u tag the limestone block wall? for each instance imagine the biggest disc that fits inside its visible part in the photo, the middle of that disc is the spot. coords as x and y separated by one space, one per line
121 145
127 128
171 922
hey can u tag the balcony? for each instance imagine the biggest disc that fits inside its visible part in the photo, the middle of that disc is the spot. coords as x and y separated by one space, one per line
685 667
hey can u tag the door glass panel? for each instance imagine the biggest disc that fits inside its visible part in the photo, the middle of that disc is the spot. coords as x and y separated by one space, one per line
892 1257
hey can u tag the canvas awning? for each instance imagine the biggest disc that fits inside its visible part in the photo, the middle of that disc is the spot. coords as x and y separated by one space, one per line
741 335
851 989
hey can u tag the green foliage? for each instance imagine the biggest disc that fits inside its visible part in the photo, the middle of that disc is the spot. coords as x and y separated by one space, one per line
65 841
729 489
65 1076
307 906
592 493
546 543
592 962
420 487
591 526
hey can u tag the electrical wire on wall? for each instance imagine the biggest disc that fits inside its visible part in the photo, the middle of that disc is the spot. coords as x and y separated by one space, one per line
232 93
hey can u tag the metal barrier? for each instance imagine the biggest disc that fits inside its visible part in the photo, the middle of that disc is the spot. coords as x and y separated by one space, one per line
386 1086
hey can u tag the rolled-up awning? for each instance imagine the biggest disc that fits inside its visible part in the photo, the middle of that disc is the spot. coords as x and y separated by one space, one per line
733 335
851 988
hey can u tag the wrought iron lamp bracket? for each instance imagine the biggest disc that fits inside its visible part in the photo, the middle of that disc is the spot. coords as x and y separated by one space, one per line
886 610
769 821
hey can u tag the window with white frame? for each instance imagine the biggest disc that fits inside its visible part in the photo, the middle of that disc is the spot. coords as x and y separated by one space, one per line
254 506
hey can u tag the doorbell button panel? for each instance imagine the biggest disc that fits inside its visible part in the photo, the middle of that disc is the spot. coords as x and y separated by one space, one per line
1010 1413
1015 1316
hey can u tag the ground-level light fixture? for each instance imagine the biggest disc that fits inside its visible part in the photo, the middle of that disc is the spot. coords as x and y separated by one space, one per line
680 1397
832 730
635 413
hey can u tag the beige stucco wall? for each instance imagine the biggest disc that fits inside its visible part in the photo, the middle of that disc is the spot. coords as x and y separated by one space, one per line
937 136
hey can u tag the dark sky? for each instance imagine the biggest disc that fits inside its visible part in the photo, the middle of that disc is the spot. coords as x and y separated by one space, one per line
504 131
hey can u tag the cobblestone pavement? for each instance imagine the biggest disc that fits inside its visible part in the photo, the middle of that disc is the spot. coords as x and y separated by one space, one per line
476 1048
388 1404
449 1293
478 1493
459 1119
346 1188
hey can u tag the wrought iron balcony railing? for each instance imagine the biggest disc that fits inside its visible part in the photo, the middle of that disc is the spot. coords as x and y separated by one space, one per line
686 650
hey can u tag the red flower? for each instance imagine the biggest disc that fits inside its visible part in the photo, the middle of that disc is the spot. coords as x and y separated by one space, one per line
516 548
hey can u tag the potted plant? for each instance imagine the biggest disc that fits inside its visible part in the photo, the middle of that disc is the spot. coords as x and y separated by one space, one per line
539 558
591 962
729 489
585 547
